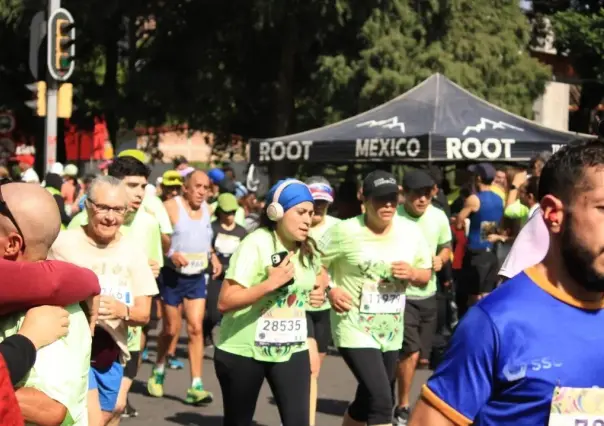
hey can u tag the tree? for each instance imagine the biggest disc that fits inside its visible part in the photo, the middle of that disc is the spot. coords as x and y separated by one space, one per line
478 44
578 29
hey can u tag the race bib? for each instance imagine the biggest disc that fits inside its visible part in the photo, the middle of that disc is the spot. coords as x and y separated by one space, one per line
281 327
110 286
382 299
198 262
577 407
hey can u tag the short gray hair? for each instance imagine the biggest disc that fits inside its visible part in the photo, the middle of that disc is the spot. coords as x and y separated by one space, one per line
317 179
100 181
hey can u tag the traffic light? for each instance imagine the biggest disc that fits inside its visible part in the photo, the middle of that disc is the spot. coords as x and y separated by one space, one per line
65 100
61 45
38 103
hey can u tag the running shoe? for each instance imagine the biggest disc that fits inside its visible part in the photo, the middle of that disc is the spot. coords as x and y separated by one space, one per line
198 395
401 416
174 363
145 355
155 385
130 411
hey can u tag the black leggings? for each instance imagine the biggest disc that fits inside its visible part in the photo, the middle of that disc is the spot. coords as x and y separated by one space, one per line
374 370
212 315
241 378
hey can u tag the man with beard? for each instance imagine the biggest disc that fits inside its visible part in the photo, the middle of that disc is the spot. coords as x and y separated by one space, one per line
530 353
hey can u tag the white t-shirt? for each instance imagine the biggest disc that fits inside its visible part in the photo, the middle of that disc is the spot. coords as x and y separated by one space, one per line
530 246
30 176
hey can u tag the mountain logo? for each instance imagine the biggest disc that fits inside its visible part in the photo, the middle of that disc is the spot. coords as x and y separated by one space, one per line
513 373
390 123
485 123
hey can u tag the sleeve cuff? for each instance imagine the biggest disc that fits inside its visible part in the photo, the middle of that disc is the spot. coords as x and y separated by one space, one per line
445 409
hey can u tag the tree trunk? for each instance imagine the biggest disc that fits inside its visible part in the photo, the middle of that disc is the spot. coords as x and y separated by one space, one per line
283 104
110 78
591 96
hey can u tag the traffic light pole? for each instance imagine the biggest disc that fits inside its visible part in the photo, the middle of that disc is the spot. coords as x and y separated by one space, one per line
50 154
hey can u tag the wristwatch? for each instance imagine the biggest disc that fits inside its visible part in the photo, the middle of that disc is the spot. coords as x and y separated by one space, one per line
513 187
330 286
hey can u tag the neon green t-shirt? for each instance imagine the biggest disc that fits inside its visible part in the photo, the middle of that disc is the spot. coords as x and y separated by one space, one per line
153 205
273 328
317 233
145 231
517 210
437 232
61 369
360 262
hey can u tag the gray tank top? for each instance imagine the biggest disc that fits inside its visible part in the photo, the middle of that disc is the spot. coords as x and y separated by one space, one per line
193 238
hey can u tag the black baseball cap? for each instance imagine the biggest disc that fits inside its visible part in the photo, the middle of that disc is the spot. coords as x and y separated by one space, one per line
486 171
379 183
417 179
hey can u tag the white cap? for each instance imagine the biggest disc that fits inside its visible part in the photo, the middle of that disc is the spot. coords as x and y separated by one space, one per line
70 170
56 168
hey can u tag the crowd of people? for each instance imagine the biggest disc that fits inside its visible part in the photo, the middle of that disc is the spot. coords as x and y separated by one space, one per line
272 281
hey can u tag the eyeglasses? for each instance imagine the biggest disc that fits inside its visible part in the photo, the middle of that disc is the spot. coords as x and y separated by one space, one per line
104 209
5 211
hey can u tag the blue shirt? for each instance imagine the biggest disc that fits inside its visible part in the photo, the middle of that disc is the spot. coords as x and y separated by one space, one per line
512 349
485 221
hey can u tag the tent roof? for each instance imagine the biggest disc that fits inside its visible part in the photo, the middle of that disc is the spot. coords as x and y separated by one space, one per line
435 121
439 107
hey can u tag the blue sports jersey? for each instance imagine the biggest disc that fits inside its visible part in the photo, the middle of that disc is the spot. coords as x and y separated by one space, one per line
513 349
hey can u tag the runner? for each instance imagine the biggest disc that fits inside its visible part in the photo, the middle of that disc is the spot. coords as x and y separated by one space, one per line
373 258
227 237
527 354
144 229
263 331
421 307
127 285
55 389
319 330
485 210
183 282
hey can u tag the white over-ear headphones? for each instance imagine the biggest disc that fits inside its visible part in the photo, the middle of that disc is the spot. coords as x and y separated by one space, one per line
275 211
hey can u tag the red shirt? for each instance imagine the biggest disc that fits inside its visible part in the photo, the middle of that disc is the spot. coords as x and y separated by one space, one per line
460 246
10 413
52 282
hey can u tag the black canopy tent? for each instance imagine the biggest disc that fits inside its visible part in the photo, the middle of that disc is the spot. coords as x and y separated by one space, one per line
435 121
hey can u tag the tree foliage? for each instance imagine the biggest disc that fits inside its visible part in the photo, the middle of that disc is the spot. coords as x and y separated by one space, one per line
269 67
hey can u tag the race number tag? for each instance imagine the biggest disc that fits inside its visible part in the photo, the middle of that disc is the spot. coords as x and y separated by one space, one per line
198 262
382 299
281 327
110 286
577 407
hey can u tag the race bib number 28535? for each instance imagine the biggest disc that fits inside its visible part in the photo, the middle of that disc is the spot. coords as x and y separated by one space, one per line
281 327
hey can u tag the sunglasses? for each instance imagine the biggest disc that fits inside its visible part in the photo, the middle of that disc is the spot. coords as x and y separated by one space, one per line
5 211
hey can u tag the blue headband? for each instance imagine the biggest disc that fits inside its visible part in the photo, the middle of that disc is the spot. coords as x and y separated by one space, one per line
292 195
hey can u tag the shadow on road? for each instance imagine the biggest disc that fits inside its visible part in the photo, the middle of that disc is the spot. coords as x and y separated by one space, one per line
331 407
190 419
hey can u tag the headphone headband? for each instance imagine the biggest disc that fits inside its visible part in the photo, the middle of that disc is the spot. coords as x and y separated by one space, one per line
282 187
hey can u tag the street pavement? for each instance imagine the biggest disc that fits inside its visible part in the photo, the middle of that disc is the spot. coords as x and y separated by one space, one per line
336 388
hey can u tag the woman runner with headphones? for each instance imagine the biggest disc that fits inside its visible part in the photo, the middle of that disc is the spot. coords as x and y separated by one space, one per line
274 273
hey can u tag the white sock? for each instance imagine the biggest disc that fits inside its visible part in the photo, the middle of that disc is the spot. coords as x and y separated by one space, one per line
196 382
160 368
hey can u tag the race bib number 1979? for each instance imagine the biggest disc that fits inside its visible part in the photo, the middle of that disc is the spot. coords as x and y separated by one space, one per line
376 302
281 327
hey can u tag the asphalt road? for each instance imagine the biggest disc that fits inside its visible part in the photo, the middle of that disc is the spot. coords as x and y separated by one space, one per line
336 389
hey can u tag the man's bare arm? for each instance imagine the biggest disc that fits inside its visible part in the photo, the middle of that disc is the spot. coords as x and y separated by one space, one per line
39 408
424 414
471 205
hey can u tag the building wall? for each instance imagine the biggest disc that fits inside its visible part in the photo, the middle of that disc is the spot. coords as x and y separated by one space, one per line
195 146
551 109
